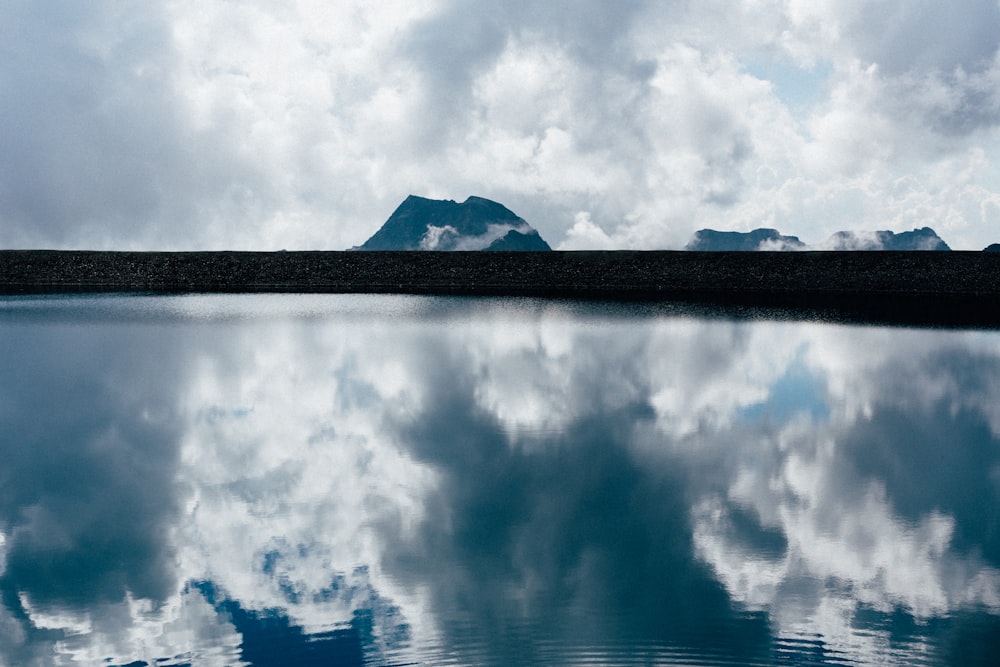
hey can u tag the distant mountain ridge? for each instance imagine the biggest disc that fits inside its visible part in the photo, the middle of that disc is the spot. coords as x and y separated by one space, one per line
758 239
924 238
475 224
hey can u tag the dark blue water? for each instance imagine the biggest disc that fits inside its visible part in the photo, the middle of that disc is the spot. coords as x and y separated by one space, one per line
347 480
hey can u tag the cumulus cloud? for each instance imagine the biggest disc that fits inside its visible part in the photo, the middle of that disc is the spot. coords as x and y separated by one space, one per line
301 125
586 235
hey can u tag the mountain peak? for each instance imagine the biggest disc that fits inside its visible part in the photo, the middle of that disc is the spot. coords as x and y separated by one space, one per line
473 199
433 224
758 239
923 238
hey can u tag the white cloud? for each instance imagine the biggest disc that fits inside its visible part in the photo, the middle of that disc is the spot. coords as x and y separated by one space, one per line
303 124
586 235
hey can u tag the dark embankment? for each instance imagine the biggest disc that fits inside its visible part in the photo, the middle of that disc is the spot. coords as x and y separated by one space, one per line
932 288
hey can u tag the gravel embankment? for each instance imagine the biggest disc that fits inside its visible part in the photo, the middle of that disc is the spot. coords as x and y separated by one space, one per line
946 288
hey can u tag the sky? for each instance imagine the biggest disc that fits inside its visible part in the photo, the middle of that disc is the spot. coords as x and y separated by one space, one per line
302 124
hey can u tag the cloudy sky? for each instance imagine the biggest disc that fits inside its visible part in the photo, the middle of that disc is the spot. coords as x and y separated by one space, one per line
302 124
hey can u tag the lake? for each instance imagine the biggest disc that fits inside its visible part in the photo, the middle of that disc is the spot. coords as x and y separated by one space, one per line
392 480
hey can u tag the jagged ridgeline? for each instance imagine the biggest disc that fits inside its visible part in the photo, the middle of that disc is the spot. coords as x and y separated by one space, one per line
475 224
770 239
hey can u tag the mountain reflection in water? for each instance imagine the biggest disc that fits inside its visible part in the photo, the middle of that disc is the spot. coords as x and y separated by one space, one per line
265 480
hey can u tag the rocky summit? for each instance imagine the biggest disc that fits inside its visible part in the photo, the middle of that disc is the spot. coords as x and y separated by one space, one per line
475 224
924 238
758 239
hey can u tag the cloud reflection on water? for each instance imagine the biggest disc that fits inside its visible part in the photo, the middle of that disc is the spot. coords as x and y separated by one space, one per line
498 477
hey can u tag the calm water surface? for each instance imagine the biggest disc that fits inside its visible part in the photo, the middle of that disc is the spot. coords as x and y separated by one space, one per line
347 480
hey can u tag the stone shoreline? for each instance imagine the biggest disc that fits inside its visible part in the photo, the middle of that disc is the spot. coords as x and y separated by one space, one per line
935 288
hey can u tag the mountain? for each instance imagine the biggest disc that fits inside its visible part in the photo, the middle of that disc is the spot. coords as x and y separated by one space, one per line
758 239
475 224
517 240
993 247
919 239
770 239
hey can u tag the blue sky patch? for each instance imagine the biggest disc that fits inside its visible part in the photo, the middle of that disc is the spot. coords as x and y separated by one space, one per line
799 88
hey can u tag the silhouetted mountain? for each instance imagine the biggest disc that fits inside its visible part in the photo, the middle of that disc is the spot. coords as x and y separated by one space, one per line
919 239
770 239
993 247
475 224
515 240
758 239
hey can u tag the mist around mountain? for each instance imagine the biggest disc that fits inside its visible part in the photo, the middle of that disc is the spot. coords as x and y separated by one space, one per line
758 239
475 224
478 223
919 239
924 238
